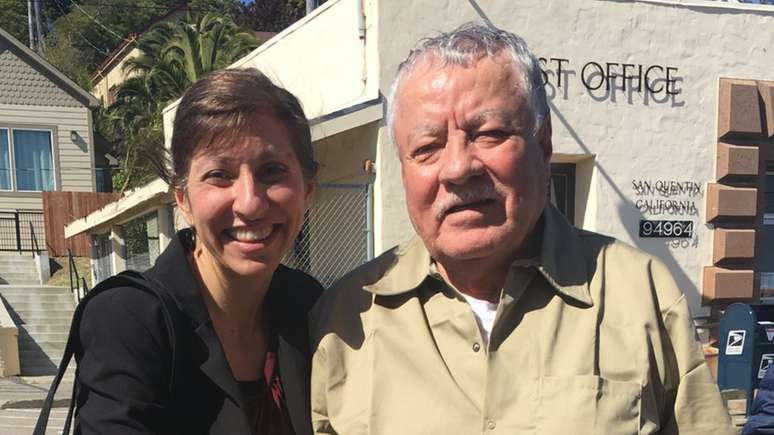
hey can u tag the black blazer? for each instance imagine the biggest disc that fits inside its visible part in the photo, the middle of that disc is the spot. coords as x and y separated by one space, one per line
125 363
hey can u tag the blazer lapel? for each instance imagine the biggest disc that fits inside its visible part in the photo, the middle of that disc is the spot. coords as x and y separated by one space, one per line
215 366
293 367
173 269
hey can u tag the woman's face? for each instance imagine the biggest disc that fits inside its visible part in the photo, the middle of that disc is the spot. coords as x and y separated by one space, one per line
246 200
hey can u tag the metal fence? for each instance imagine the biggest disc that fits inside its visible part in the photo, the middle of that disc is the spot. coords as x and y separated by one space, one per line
336 235
100 255
15 234
141 237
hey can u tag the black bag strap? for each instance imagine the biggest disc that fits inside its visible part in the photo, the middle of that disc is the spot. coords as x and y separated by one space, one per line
124 279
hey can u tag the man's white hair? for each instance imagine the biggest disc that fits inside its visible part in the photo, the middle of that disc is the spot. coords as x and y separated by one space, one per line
464 46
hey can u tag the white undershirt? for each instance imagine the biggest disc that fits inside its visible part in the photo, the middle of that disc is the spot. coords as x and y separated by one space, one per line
485 313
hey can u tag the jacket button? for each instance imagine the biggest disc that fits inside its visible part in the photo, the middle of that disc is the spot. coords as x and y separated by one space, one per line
491 425
476 347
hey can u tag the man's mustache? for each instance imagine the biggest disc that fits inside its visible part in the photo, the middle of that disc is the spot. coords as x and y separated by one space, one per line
464 195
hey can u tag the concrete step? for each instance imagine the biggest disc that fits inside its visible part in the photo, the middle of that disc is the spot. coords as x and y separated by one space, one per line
18 271
62 326
37 315
53 337
16 261
13 289
25 298
43 306
38 358
43 371
19 281
18 268
49 347
68 378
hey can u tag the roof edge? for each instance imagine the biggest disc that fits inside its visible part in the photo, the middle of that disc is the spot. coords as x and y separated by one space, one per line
91 101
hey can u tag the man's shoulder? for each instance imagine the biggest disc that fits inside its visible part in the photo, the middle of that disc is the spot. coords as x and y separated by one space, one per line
341 305
628 269
356 281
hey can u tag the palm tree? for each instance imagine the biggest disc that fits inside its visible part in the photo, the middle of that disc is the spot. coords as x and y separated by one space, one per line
194 46
174 55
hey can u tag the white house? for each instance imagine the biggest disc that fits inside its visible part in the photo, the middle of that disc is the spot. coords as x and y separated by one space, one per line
677 159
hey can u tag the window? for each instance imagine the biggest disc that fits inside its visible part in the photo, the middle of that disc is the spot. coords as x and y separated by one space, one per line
26 160
561 190
767 253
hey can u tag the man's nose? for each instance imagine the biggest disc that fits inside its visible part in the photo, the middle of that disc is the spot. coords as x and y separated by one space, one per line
250 201
460 162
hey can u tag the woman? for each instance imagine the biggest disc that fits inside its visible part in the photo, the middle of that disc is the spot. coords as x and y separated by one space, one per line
243 175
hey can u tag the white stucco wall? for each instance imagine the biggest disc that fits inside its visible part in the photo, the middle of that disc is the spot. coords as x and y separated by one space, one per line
631 136
324 59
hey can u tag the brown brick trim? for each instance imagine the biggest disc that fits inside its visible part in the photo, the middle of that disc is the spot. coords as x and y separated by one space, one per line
739 109
733 244
735 202
736 161
726 203
728 284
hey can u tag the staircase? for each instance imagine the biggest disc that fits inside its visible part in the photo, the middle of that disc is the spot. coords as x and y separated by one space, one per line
18 269
43 315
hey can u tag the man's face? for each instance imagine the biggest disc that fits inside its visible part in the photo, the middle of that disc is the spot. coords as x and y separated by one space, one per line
475 175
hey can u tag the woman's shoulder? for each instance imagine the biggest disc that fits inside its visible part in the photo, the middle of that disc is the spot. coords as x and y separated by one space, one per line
298 286
123 305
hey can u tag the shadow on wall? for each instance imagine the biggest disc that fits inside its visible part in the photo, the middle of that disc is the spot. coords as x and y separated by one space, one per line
481 13
628 212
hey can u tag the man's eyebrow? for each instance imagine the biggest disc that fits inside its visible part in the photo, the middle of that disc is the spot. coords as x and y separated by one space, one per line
428 130
507 117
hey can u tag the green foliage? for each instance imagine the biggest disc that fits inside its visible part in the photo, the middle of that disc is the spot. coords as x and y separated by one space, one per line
178 53
87 31
175 55
271 15
13 19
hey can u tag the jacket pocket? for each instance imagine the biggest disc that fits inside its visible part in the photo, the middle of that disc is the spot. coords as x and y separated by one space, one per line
588 405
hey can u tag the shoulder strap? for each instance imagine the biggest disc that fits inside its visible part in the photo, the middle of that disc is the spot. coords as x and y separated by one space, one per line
124 279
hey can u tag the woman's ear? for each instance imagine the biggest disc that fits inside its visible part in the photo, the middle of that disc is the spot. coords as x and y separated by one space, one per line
310 186
182 204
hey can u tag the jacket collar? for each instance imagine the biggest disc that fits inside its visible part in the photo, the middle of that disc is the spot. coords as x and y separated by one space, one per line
174 272
562 262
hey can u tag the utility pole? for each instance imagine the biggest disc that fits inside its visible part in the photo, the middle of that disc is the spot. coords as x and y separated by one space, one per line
29 24
39 25
311 5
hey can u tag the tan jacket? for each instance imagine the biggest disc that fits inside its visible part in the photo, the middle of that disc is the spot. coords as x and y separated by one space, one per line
595 338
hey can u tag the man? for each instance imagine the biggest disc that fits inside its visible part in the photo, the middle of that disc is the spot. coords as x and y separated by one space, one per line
500 317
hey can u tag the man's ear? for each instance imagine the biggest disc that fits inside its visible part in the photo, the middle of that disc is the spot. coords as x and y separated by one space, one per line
182 204
544 139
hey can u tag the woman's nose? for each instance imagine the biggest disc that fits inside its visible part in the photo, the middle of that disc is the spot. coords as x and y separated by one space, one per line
250 200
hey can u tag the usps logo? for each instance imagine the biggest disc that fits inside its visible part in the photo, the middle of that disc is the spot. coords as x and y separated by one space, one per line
735 342
766 360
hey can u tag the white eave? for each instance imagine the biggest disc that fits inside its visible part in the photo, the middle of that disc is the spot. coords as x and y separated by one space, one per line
133 203
346 119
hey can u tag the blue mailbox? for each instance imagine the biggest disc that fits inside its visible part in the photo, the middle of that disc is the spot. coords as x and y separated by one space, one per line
746 347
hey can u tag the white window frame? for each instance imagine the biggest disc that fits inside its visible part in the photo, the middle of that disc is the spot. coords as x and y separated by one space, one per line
12 157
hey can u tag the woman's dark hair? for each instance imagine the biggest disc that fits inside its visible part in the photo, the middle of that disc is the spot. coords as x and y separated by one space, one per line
224 105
